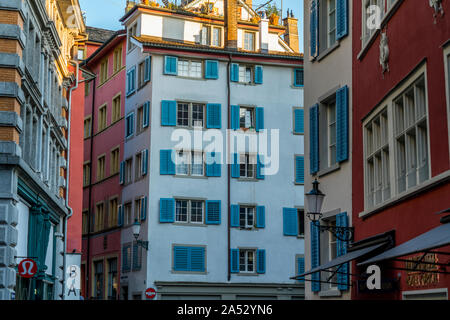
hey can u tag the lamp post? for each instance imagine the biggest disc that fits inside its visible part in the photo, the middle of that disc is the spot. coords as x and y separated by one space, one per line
314 199
136 232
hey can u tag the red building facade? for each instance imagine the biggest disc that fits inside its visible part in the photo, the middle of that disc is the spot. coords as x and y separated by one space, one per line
401 163
103 152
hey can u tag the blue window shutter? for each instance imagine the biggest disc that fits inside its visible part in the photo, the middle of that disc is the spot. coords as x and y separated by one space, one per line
167 165
168 113
234 72
299 77
315 256
234 260
211 69
301 268
171 65
146 115
259 119
148 69
136 261
342 276
259 167
261 261
129 125
181 258
167 210
197 259
314 138
125 266
131 81
299 118
299 169
234 216
120 216
144 168
213 116
313 26
213 210
235 168
235 117
290 222
342 130
122 173
143 208
260 217
341 18
213 165
258 74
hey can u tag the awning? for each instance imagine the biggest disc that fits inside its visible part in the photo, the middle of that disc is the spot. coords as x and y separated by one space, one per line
344 259
435 238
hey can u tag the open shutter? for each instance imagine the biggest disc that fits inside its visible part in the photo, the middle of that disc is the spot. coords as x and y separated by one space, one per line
342 130
299 119
144 158
129 123
120 216
167 166
314 138
258 74
261 261
211 69
122 173
148 69
314 27
234 216
166 210
168 113
171 65
260 167
315 256
181 258
301 268
146 115
341 18
234 72
213 164
299 169
143 208
290 222
197 259
259 119
213 116
213 210
234 260
235 117
260 217
235 169
342 276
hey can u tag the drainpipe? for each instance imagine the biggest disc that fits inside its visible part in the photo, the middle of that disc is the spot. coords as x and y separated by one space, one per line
229 167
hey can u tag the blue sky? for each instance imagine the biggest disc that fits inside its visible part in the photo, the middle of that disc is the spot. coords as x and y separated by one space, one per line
106 13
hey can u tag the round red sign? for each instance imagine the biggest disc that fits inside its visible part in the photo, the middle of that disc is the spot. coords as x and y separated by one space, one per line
27 268
150 293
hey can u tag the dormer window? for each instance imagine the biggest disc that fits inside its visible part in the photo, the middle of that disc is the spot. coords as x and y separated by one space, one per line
210 36
132 32
249 41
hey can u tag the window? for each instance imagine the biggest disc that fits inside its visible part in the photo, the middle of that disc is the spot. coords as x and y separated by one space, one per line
246 118
247 166
113 283
85 218
245 74
116 108
128 171
86 174
81 54
216 37
189 258
189 163
205 37
113 213
98 280
138 166
189 68
87 88
114 161
137 210
126 258
132 32
247 219
87 127
102 118
190 114
117 59
137 257
142 117
101 168
298 77
367 14
331 124
331 22
249 41
129 125
127 214
141 74
189 211
99 217
104 71
210 36
247 261
301 222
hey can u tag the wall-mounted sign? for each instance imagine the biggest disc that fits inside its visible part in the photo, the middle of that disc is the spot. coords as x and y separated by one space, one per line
27 268
425 274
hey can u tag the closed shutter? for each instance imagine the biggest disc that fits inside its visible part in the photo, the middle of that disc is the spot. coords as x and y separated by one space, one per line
235 170
314 26
259 119
167 166
235 125
168 113
146 116
213 116
342 130
260 167
342 16
171 65
213 210
213 164
299 169
234 72
131 81
166 210
197 259
301 268
148 69
342 276
290 222
261 261
144 167
299 119
315 256
189 259
120 216
234 215
314 138
234 261
260 217
180 258
258 74
136 257
211 69
122 173
143 208
125 259
299 77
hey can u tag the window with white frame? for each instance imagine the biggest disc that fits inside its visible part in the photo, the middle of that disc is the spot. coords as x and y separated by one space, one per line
190 114
189 68
129 171
331 25
189 163
249 41
132 32
331 121
189 211
246 118
247 261
247 218
245 74
127 214
370 8
247 165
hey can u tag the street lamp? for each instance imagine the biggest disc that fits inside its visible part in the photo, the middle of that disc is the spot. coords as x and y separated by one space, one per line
136 232
314 199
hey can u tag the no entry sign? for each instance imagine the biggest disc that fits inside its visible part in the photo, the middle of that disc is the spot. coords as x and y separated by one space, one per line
150 293
27 268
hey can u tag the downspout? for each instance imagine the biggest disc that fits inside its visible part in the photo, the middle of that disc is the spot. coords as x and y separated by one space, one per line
229 167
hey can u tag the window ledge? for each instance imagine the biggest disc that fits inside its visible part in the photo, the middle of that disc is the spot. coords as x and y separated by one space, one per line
248 274
189 224
190 177
329 50
425 186
330 293
247 179
328 170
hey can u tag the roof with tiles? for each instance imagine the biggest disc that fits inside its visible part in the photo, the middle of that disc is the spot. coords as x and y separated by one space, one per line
99 35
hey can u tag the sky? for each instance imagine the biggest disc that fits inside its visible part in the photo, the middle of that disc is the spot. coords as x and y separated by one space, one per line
106 13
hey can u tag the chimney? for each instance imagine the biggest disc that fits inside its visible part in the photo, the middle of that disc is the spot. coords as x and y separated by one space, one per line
231 9
291 35
130 5
264 34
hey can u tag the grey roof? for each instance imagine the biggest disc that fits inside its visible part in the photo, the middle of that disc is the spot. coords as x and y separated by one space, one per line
435 238
98 34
